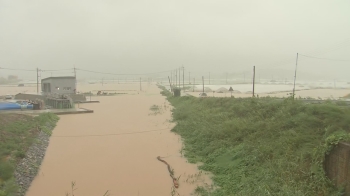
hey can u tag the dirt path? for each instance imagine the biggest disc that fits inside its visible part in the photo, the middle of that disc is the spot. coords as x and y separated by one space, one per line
106 151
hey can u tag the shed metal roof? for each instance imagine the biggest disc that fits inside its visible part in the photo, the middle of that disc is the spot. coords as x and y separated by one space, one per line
60 77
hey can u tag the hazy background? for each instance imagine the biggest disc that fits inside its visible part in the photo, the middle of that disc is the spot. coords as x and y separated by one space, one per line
124 36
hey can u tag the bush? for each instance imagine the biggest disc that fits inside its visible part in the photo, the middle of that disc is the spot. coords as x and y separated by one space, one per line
6 170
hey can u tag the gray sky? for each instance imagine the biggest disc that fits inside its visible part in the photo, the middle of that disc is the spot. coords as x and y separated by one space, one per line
123 36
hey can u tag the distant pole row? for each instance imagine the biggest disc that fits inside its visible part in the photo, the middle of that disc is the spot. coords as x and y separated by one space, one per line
175 77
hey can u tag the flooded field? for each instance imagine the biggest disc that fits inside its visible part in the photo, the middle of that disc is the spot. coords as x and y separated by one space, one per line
307 93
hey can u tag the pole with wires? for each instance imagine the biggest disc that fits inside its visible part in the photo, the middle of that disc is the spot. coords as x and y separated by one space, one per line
179 77
171 89
75 77
194 82
183 78
176 77
37 80
295 75
203 83
253 81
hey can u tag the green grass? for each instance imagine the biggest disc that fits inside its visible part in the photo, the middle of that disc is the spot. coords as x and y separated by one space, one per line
17 134
260 146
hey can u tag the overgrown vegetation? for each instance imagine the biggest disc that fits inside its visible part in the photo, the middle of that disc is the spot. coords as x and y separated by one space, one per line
158 109
260 146
17 134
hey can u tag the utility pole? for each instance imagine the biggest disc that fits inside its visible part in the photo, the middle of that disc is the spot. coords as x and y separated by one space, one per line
203 83
194 82
253 81
189 77
75 76
179 77
226 77
171 90
37 80
176 77
183 77
295 75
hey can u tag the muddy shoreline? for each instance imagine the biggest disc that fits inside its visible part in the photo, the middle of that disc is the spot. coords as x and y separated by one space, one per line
28 167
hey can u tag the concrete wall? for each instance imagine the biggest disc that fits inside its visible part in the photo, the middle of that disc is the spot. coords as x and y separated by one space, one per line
337 166
59 85
75 97
29 96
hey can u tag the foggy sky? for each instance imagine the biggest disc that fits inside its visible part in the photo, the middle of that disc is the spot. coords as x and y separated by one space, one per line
134 36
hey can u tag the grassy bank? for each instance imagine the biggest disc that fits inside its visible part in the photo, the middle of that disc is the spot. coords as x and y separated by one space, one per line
17 134
260 146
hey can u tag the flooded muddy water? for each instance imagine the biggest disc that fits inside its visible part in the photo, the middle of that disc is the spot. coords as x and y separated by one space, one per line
116 148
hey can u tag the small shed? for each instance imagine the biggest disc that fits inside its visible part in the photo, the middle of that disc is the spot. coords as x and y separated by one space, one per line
60 85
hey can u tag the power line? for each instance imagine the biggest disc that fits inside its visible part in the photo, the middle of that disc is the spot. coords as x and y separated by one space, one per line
121 74
323 58
111 134
18 69
336 46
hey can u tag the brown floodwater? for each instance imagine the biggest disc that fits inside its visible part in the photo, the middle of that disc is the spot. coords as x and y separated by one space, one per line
116 148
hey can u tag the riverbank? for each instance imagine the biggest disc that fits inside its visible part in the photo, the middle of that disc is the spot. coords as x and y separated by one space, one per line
259 146
23 143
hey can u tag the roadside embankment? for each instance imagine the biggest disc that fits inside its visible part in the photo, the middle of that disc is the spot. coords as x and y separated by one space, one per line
23 142
260 146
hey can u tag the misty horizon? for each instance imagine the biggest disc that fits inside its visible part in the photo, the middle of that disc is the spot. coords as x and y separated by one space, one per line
220 37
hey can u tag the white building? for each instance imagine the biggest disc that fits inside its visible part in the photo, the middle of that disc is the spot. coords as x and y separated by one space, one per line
61 85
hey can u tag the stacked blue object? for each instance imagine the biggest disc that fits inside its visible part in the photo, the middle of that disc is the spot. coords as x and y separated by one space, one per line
14 106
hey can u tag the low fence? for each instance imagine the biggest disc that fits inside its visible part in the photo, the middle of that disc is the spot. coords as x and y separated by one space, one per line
337 166
75 97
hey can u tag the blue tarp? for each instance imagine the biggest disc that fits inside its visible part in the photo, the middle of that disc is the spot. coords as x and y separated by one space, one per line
14 106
